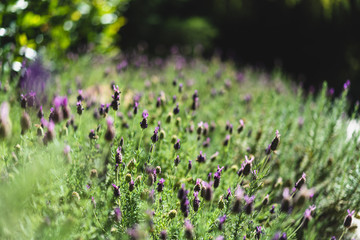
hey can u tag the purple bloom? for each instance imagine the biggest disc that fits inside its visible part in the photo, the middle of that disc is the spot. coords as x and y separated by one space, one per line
131 185
307 215
79 107
190 165
136 104
163 235
177 145
228 193
272 210
160 185
246 165
188 229
207 142
110 132
35 78
158 102
258 232
144 123
155 137
347 84
286 201
249 204
201 158
196 202
118 156
116 190
118 214
348 218
301 181
176 109
221 222
275 142
226 141
80 95
177 160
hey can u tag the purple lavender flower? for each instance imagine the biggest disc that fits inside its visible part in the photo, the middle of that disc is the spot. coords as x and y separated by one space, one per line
226 141
23 101
272 210
247 165
275 142
268 149
221 222
160 184
307 215
347 84
118 156
92 134
228 194
201 158
348 218
40 113
131 185
110 132
180 87
217 177
258 232
279 236
35 78
163 235
197 186
176 109
79 108
181 192
206 143
208 192
190 165
144 123
116 190
177 160
158 102
177 145
65 108
122 65
301 181
118 214
174 98
209 176
80 95
239 195
286 201
50 134
248 208
188 229
136 105
184 204
196 202
155 137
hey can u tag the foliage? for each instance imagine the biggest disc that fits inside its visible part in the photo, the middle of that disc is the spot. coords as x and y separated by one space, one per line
51 193
26 27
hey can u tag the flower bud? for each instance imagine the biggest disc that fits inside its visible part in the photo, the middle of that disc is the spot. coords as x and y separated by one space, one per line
275 142
348 218
128 177
172 214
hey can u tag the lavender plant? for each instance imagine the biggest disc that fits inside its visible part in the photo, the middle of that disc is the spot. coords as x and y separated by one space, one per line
71 169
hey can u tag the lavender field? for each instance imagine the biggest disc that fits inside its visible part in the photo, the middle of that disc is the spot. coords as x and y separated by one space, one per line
174 148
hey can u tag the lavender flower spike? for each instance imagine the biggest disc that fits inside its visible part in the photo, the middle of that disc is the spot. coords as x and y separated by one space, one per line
348 218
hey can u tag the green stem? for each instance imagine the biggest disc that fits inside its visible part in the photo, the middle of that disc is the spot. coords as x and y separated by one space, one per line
342 234
297 229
